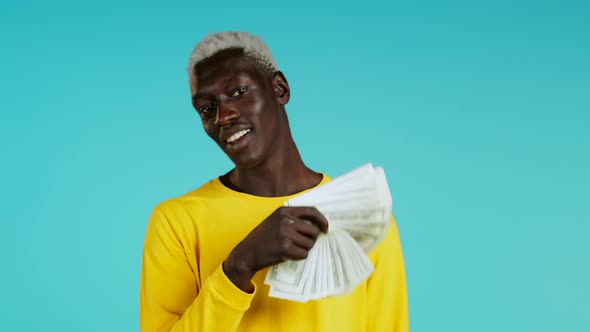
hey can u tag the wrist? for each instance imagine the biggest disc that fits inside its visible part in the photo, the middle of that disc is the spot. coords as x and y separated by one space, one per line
239 273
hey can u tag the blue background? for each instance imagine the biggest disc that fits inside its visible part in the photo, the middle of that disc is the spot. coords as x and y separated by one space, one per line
478 110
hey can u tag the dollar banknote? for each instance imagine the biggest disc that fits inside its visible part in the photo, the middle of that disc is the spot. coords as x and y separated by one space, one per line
358 208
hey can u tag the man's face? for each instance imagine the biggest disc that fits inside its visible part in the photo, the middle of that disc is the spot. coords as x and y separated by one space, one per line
240 107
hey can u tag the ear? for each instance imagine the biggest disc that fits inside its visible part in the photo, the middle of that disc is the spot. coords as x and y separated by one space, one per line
281 88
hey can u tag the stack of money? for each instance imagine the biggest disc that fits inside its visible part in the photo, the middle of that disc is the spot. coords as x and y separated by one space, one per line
358 208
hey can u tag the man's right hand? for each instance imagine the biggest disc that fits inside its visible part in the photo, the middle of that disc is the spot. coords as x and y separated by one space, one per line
288 233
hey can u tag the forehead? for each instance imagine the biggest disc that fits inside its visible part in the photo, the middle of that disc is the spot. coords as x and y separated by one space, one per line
221 68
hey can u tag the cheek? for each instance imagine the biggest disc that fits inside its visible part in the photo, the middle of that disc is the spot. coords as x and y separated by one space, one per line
265 113
210 129
254 106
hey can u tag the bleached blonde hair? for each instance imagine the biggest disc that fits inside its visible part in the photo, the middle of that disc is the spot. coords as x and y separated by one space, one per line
252 45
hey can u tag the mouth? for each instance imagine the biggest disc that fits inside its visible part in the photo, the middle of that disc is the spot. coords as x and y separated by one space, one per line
233 139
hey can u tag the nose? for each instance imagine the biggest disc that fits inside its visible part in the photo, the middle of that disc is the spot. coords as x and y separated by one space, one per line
225 115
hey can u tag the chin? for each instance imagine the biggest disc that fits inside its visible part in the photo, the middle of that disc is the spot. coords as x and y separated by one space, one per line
251 156
245 161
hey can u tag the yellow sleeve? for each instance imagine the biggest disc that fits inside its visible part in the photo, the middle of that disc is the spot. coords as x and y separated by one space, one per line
387 299
172 296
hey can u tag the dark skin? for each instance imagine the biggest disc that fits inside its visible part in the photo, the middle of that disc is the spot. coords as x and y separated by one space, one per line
235 97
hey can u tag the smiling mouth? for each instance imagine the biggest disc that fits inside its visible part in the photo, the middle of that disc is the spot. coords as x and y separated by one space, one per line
235 137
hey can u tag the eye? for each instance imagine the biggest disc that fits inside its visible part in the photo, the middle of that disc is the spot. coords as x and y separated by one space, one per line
207 110
238 92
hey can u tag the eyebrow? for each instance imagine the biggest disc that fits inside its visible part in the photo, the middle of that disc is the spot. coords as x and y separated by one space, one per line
235 75
196 96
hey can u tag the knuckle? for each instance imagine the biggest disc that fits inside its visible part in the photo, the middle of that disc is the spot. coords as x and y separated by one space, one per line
284 210
284 226
286 244
287 222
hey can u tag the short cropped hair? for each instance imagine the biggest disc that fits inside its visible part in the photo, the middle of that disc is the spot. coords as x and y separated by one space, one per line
253 47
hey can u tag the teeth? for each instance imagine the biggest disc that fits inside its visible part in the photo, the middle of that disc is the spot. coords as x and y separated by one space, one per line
237 135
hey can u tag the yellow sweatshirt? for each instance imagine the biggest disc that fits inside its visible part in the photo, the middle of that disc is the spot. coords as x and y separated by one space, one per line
183 287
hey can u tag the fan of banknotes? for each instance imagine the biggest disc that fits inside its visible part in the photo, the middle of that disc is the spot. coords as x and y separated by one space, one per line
358 208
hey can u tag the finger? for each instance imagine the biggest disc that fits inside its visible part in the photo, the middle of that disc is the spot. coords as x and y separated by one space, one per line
303 241
307 228
289 220
312 214
297 253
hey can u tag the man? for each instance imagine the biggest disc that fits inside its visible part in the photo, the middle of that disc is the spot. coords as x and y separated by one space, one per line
207 252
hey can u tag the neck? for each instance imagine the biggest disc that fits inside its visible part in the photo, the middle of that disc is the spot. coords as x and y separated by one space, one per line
283 175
